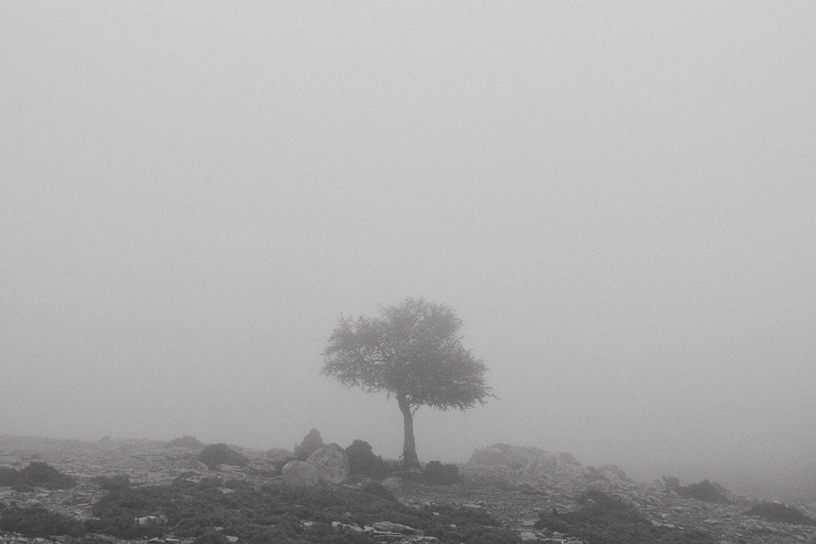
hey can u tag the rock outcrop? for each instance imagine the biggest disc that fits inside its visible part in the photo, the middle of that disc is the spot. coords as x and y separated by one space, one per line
332 463
534 461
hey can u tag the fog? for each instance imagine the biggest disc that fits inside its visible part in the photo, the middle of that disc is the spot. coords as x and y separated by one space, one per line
617 198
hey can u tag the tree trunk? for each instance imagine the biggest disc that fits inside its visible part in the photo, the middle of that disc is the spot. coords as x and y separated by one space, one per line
409 455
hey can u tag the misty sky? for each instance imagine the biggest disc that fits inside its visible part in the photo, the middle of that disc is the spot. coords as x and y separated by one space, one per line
618 198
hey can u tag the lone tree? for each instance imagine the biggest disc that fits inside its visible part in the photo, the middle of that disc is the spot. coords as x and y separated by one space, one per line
413 352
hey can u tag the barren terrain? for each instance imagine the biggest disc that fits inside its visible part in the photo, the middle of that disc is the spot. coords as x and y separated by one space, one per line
515 496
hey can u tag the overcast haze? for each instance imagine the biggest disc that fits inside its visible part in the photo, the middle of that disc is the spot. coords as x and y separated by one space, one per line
618 199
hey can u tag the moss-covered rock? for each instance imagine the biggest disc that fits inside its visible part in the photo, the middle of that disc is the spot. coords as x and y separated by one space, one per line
221 454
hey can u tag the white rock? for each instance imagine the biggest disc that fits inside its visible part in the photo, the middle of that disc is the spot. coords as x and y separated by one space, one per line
390 527
392 484
331 462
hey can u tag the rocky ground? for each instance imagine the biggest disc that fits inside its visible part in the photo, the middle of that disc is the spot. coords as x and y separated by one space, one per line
513 485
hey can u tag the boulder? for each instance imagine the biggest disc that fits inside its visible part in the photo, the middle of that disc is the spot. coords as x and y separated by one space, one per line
392 484
331 462
568 465
299 474
543 465
391 527
534 461
221 454
489 457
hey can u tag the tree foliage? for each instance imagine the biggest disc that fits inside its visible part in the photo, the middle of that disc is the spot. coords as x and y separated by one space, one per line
412 351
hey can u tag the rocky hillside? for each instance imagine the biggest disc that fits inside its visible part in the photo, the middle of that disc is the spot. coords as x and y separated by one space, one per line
180 493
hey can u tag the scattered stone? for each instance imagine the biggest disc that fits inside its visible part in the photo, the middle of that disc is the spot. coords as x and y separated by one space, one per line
339 525
511 491
228 468
150 521
267 468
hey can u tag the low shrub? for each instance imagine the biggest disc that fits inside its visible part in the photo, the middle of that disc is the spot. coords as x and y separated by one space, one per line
112 483
10 477
703 491
360 456
273 513
773 511
363 462
40 474
609 520
439 474
597 499
221 454
38 522
376 488
210 536
36 474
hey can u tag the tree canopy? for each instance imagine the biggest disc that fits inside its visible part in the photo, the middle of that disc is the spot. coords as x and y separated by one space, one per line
412 351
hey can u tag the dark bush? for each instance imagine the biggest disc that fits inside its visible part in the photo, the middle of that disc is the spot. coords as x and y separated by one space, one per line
608 520
221 454
39 474
272 513
702 491
595 498
439 474
210 536
310 443
36 474
773 511
186 441
360 457
376 488
38 522
10 477
363 462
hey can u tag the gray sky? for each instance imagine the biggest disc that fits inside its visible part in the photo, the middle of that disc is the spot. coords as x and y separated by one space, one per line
617 198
